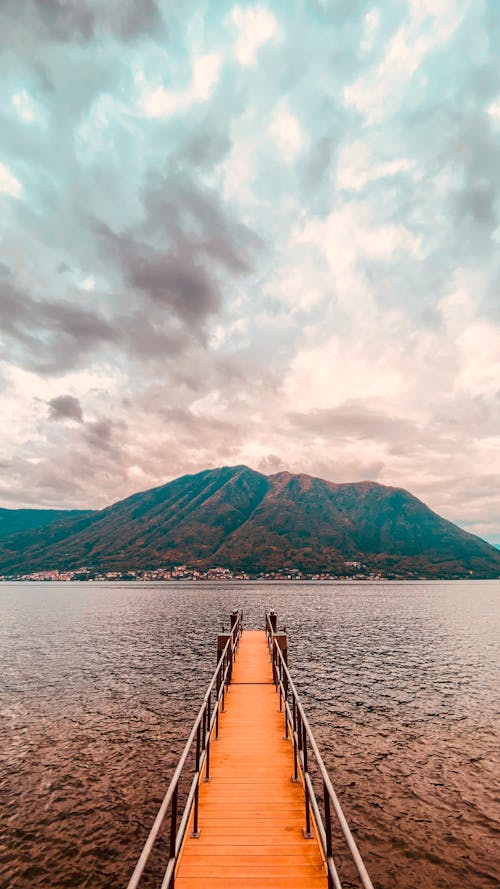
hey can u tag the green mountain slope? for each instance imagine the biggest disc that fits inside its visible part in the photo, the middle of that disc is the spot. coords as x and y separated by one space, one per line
14 521
241 519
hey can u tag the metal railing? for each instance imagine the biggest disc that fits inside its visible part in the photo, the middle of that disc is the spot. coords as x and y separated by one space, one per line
297 724
205 724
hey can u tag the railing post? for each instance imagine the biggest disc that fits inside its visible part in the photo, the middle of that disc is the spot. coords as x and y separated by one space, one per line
207 739
173 828
280 681
328 824
295 778
281 640
222 639
307 829
196 832
217 690
278 640
286 719
273 620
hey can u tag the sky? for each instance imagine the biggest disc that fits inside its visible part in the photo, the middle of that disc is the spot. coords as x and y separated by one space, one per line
260 233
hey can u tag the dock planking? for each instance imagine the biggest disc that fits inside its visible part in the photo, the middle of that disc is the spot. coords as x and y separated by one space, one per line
251 814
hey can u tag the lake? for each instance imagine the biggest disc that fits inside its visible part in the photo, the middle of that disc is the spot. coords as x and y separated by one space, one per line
99 684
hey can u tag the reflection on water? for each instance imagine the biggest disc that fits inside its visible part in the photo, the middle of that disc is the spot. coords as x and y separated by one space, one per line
99 682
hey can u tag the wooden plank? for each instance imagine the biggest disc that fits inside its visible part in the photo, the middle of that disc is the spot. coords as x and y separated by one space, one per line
251 814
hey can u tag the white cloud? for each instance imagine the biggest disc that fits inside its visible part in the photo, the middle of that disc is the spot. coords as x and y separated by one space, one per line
346 237
239 172
285 132
357 166
479 348
8 182
205 76
371 22
376 93
88 283
494 111
342 369
476 341
295 285
255 26
161 102
24 106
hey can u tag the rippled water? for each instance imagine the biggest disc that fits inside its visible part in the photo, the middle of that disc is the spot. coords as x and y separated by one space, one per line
98 683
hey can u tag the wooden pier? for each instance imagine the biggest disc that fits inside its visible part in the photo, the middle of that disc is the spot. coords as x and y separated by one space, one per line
251 813
253 816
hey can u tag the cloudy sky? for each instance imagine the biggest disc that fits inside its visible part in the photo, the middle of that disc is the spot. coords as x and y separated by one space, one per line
261 233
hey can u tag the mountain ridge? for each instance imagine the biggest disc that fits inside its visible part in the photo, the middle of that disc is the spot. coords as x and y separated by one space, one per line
244 520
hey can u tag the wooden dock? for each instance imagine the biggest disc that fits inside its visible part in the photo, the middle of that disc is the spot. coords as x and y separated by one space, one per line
251 814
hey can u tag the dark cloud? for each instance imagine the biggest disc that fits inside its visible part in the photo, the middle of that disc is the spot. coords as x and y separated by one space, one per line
178 256
79 325
188 213
191 427
174 279
478 202
355 420
65 407
202 148
82 20
476 205
136 17
150 336
103 434
64 19
54 336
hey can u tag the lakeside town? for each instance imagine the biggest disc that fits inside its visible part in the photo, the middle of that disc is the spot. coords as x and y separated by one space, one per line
353 570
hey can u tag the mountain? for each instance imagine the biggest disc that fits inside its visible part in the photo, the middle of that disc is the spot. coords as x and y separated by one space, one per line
238 518
14 520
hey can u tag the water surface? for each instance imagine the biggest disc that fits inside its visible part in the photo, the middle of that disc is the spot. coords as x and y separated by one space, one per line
99 682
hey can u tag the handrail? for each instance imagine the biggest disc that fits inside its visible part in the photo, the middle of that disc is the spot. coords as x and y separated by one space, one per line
297 722
203 728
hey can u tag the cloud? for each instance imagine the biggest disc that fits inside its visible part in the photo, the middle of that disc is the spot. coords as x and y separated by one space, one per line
181 251
285 132
236 234
356 167
355 420
161 102
8 182
83 20
101 434
65 407
379 91
49 336
255 26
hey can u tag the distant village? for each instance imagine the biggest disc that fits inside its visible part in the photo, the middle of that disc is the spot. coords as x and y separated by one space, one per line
353 571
